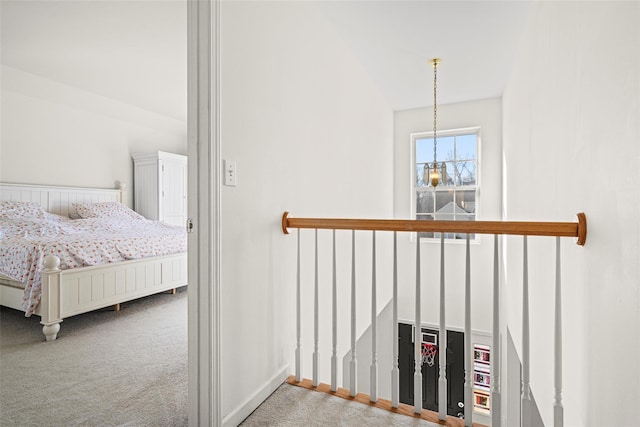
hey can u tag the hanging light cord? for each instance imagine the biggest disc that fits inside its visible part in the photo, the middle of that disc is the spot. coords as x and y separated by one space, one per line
435 112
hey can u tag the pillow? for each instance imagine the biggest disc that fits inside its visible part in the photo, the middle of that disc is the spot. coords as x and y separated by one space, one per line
72 213
113 210
13 209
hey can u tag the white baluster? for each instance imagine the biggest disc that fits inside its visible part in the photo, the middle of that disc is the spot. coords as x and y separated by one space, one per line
468 351
373 384
353 364
316 316
395 371
558 410
527 409
298 373
417 340
442 344
334 321
495 350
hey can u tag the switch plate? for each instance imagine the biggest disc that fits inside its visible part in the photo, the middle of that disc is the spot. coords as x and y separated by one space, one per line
230 173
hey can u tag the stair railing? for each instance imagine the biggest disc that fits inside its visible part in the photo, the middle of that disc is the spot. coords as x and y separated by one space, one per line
556 229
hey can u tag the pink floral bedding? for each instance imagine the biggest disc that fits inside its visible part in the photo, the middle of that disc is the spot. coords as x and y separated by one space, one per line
28 234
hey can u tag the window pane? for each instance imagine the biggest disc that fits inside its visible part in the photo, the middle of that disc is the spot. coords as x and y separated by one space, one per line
424 150
424 202
466 203
447 217
425 218
444 149
466 173
466 147
444 202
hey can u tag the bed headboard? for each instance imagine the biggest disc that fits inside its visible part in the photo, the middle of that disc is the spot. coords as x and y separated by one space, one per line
58 200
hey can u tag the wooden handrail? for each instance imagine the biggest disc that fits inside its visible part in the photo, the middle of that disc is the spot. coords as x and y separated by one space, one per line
520 228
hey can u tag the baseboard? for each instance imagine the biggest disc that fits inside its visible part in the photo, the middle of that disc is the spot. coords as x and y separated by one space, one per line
245 409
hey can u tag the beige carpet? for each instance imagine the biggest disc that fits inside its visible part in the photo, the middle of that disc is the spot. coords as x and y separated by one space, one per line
129 368
296 406
126 368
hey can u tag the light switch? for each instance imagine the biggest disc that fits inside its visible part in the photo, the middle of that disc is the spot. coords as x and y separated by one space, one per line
230 172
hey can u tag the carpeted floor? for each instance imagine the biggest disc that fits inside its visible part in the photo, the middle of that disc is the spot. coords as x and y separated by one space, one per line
296 406
129 368
107 368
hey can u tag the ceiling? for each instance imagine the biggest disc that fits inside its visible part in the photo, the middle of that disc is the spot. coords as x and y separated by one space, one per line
394 41
131 51
135 51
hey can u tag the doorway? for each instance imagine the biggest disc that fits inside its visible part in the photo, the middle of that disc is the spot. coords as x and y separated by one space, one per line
454 370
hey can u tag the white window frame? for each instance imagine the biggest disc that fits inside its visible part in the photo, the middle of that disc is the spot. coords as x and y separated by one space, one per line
413 188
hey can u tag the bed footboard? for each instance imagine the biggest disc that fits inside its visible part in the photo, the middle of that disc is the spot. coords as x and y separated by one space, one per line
66 293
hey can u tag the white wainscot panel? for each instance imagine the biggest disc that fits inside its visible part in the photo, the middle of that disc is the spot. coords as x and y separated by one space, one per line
109 284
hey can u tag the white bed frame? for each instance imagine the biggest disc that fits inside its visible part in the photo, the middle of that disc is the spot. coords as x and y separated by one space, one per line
66 293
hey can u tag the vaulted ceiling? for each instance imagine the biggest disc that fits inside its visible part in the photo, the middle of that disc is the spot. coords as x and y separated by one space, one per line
394 41
131 51
135 51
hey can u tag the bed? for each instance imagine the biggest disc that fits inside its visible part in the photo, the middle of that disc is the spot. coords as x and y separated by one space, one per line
54 286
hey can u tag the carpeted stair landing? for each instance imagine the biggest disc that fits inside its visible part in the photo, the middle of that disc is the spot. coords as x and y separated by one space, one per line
296 406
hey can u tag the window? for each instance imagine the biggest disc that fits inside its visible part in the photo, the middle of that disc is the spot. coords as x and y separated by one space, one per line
455 198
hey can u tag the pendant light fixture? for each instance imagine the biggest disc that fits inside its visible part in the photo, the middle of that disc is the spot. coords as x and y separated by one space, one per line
435 172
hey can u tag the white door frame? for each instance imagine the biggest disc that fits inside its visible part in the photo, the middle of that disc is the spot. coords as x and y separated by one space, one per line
204 210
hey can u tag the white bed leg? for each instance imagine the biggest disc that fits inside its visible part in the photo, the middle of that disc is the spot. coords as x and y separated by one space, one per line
50 300
50 331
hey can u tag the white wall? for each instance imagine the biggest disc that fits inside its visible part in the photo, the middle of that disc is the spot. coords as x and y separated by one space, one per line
57 134
571 132
487 115
311 135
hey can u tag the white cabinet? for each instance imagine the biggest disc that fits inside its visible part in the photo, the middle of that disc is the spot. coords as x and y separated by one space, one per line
160 186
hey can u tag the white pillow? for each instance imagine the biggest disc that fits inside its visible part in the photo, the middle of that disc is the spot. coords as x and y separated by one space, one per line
112 210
